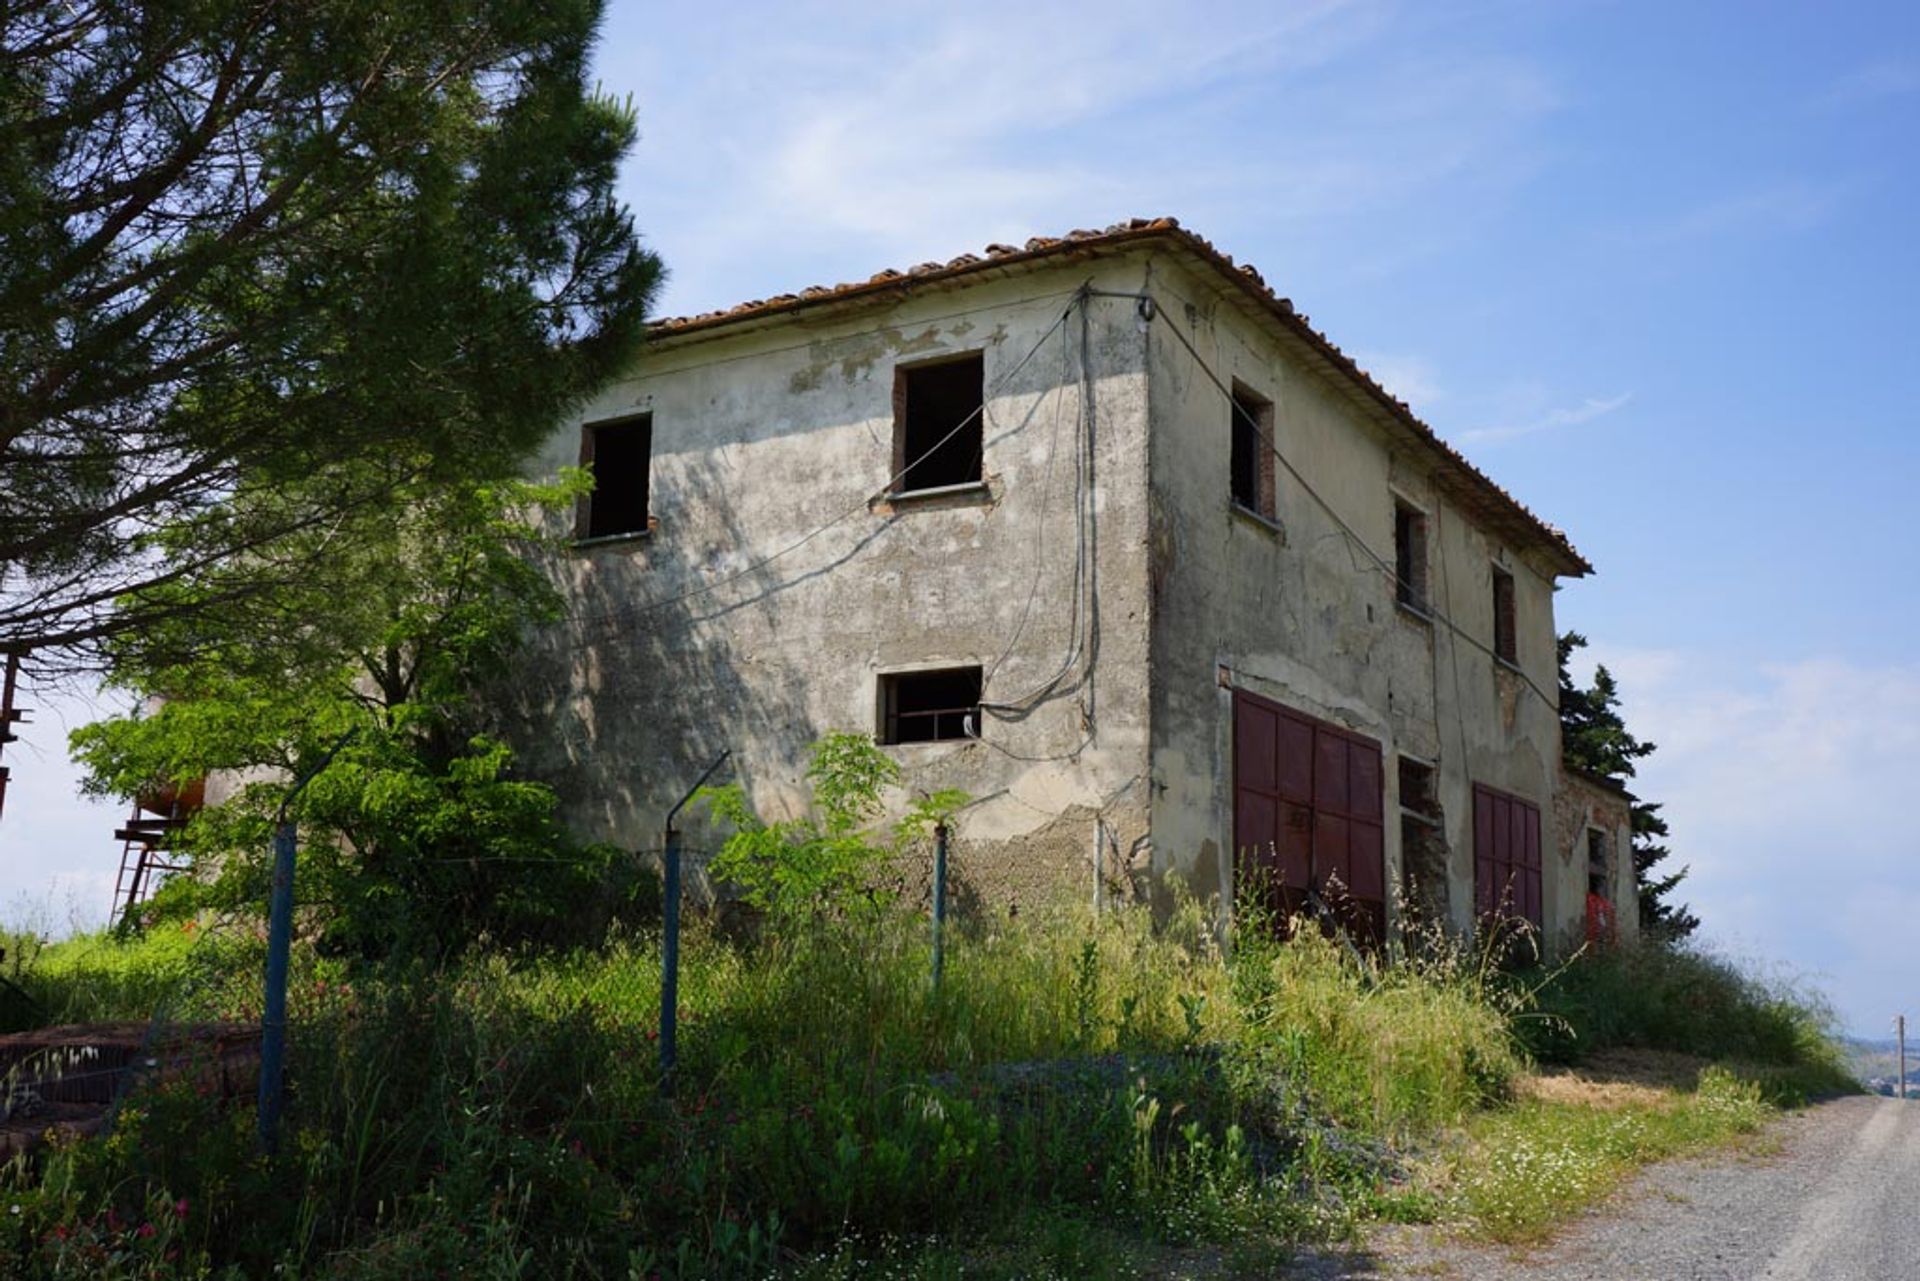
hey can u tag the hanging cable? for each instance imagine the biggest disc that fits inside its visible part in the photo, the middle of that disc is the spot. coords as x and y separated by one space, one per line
628 613
1083 621
1392 572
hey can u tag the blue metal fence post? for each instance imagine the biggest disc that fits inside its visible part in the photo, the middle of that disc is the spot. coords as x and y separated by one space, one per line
670 926
273 1013
670 962
939 898
273 1024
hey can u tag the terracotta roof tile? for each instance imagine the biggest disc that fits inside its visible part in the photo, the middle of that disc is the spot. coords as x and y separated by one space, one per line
1494 502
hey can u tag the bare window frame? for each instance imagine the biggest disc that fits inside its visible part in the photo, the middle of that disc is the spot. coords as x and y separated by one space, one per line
1412 557
959 722
973 428
585 515
1600 868
1250 428
1506 623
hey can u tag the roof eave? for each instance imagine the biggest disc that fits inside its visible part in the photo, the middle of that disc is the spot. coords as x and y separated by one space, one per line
1464 481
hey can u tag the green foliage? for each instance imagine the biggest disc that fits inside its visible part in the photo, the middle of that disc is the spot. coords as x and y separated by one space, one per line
1528 1165
1082 1096
1688 1001
1594 737
356 245
1398 1050
416 835
824 861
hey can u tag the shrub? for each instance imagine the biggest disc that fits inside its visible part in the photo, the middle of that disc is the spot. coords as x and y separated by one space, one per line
1684 999
825 861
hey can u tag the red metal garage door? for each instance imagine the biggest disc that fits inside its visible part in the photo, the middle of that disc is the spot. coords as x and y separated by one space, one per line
1506 856
1307 810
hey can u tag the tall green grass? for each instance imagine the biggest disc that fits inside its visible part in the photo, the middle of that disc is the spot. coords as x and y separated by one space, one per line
1096 1079
1689 1001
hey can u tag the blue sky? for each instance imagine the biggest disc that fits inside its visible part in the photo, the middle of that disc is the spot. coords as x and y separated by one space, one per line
1655 267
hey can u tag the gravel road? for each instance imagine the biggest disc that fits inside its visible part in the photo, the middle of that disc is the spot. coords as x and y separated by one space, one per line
1838 1199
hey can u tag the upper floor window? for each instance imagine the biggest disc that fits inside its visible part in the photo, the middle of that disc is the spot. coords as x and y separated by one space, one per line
938 432
1251 463
1410 556
620 455
1506 643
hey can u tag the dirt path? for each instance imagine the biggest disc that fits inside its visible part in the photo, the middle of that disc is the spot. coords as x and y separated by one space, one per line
1837 1200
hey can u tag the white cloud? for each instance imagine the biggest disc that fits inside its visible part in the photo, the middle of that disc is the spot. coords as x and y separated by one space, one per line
1788 788
1411 378
1783 208
1887 78
57 853
821 147
1552 420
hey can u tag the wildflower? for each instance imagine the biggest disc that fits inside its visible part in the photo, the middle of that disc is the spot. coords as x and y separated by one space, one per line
180 1208
16 1208
146 1230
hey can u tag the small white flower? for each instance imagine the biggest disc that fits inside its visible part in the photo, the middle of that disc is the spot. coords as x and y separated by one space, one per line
16 1209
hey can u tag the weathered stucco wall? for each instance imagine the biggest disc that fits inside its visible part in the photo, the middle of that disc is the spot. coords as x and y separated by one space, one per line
774 588
1583 805
1293 612
735 625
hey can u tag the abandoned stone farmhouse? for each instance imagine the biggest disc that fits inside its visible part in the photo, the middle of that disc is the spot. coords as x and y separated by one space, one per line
1101 531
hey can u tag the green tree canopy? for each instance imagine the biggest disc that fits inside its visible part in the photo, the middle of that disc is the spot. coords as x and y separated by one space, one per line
245 243
1594 737
417 836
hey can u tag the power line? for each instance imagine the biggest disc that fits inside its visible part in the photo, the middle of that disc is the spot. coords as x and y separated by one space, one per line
1083 623
865 504
1392 571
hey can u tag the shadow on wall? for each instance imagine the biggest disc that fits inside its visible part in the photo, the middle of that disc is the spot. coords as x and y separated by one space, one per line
620 705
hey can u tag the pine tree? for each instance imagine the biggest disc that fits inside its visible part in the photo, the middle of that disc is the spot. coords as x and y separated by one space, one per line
1594 738
249 244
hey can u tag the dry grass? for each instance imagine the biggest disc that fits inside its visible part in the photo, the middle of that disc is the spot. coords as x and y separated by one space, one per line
1616 1079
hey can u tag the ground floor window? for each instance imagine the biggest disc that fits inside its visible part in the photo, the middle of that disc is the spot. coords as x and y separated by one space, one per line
1506 857
929 707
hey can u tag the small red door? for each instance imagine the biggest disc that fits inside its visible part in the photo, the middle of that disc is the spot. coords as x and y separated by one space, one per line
1307 816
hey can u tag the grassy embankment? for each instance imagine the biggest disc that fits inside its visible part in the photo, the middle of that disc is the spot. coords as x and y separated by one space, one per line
1081 1098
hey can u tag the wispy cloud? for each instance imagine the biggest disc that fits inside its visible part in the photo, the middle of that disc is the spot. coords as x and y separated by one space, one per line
1786 786
1553 420
1782 208
1886 78
1411 378
822 148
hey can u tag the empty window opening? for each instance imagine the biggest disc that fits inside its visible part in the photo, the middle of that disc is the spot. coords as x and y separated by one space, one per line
928 707
1424 896
1410 556
1417 794
1599 864
1252 451
620 455
938 431
1505 640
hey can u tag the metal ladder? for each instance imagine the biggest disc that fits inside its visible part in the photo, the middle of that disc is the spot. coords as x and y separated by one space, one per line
144 841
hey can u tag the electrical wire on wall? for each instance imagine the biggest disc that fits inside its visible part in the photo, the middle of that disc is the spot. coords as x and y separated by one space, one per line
1083 616
1353 536
629 613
